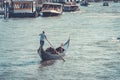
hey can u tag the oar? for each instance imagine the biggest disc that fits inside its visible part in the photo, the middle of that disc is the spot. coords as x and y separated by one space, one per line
56 51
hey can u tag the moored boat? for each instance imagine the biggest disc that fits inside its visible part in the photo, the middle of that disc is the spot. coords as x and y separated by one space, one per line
51 55
115 1
51 9
70 6
84 3
118 38
105 3
23 8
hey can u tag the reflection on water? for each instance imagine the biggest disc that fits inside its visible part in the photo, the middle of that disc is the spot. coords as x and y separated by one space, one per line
46 63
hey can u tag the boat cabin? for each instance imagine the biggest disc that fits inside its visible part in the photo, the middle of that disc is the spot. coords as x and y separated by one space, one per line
23 8
51 9
70 6
51 6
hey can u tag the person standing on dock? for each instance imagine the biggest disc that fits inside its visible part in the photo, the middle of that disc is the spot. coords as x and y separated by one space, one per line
42 39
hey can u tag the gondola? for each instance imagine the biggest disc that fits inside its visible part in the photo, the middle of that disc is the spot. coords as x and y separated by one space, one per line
53 56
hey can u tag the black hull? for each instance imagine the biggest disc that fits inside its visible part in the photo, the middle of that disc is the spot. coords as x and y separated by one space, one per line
48 14
1 12
82 4
21 15
70 8
49 56
105 4
52 56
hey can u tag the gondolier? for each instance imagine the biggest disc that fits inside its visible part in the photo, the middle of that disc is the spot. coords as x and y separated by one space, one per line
42 39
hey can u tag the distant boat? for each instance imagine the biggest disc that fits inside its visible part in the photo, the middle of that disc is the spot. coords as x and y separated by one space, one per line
118 38
51 9
70 6
115 1
51 55
105 4
84 3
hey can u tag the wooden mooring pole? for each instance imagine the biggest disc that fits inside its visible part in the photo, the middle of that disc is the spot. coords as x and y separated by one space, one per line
6 10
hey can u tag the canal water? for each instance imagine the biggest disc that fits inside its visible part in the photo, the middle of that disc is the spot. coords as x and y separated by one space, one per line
93 54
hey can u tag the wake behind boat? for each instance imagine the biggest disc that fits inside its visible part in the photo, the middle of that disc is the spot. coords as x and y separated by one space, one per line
49 53
51 9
